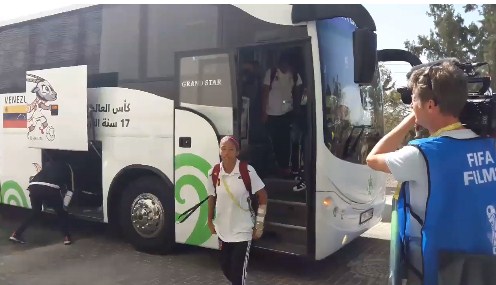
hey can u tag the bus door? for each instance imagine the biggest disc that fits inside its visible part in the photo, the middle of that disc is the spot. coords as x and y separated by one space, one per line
55 109
205 111
286 224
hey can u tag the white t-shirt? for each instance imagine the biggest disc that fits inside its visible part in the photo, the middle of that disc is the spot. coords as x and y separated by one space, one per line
281 95
408 164
232 223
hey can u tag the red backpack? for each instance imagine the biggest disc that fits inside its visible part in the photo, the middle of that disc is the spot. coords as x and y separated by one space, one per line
245 175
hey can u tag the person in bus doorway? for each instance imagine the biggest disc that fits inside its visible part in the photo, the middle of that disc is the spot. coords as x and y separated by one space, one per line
251 88
280 100
298 139
231 212
48 187
439 93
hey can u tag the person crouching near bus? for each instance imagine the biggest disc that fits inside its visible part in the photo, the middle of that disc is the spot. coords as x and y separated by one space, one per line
445 200
236 223
47 187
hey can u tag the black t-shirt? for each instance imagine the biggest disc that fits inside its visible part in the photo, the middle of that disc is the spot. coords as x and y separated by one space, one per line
54 172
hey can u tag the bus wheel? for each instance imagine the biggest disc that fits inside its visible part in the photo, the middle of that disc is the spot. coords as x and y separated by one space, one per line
147 215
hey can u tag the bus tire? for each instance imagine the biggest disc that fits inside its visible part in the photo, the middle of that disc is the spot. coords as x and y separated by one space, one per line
147 215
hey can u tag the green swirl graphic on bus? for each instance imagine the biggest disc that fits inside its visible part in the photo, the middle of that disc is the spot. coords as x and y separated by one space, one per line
13 194
200 233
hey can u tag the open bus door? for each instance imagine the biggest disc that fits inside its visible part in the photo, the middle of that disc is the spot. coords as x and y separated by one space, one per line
206 108
56 108
57 121
49 114
210 104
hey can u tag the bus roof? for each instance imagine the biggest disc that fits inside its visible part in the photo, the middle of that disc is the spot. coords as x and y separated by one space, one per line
43 14
290 14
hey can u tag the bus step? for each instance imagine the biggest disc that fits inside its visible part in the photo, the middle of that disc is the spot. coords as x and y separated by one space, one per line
90 213
285 233
285 212
85 213
282 247
282 189
283 238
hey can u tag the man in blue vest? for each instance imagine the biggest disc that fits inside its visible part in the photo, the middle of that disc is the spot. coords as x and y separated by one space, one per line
449 196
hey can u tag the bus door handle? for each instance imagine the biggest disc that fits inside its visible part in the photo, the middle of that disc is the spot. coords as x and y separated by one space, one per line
185 142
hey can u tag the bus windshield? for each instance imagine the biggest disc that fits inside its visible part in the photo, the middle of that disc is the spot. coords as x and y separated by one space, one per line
352 113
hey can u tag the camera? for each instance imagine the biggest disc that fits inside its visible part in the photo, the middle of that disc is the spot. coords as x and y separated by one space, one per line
479 113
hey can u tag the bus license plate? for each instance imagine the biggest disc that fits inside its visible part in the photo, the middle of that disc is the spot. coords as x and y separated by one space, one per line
367 215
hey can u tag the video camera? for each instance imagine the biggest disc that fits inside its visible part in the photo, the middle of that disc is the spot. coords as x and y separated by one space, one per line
480 110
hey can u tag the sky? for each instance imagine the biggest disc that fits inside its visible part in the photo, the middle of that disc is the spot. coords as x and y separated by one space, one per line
395 24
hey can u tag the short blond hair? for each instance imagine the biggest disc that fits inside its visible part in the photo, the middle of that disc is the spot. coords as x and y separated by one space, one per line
445 83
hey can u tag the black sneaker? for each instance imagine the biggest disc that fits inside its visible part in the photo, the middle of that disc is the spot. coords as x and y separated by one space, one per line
15 238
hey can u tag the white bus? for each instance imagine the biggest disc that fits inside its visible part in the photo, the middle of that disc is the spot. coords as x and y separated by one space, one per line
135 99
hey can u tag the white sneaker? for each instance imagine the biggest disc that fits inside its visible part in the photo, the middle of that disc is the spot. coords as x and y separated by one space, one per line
17 239
300 186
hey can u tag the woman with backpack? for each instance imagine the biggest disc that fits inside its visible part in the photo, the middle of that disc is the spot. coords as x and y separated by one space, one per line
237 205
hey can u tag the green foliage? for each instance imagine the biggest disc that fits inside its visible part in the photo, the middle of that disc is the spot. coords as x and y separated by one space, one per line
394 109
452 37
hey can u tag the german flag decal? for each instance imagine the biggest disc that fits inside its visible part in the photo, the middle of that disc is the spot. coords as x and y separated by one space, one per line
54 109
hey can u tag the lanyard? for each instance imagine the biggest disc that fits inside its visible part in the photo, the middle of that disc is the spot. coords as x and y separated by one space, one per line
231 195
447 128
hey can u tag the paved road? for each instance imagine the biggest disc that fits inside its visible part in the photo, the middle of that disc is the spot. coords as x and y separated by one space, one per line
98 256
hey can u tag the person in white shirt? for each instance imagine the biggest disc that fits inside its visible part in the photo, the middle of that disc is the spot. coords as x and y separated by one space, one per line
230 214
439 95
280 97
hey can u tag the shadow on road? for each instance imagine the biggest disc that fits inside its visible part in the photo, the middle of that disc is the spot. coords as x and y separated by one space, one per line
362 259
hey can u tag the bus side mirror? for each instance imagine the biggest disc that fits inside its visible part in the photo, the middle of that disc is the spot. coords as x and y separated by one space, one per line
365 55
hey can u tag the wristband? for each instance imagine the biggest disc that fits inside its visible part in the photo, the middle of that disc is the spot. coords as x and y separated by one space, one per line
262 209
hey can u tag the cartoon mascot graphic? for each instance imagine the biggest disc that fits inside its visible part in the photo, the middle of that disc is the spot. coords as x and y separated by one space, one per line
44 93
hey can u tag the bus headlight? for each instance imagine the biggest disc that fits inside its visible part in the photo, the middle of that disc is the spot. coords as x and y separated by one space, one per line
345 239
327 202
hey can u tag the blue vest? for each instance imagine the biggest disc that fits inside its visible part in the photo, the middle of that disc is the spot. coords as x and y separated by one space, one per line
460 211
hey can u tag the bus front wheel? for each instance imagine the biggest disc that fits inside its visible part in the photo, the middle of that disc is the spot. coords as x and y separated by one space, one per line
147 215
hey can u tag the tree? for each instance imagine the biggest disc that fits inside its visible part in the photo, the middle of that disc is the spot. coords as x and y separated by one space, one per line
452 37
488 28
394 109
